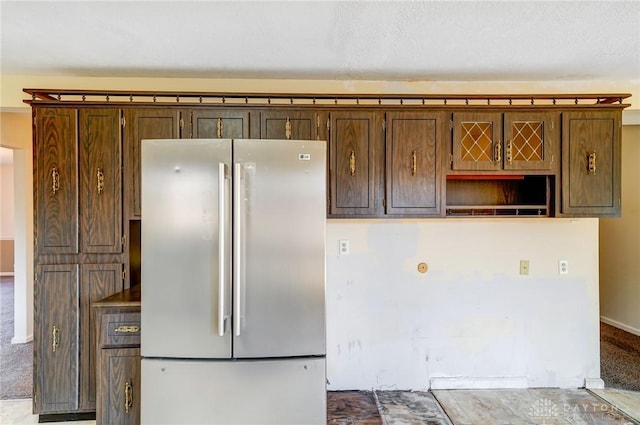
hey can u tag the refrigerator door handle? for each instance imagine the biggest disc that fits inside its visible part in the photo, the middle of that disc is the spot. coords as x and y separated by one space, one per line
222 261
237 264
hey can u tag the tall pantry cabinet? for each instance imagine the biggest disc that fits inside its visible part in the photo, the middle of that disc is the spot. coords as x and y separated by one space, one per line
78 248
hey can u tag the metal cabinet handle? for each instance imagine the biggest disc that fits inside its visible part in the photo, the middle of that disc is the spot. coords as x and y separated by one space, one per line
55 338
128 397
414 163
222 263
509 152
352 163
219 128
55 178
287 129
127 329
498 153
100 179
591 163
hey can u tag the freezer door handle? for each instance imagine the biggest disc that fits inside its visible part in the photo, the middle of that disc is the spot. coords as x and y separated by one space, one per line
222 261
237 228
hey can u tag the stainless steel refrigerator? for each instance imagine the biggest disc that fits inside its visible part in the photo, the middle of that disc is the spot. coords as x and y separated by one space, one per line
233 282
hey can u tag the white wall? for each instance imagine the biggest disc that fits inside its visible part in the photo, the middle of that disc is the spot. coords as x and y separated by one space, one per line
620 245
472 318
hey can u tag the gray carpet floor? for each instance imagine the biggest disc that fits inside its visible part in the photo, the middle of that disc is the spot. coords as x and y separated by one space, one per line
619 358
16 360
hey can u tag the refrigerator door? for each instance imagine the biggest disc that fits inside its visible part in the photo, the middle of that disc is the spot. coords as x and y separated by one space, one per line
278 392
279 247
186 269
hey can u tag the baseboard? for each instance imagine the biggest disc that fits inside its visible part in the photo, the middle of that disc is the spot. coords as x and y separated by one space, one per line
465 383
22 340
620 325
594 384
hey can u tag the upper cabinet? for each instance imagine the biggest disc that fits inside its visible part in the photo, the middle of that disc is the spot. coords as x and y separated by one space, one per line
414 162
143 124
355 163
56 174
292 125
217 124
513 141
591 163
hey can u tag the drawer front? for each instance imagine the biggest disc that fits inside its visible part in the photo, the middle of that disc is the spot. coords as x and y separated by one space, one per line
120 330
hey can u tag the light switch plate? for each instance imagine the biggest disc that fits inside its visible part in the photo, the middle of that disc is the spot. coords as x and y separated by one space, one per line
343 247
524 267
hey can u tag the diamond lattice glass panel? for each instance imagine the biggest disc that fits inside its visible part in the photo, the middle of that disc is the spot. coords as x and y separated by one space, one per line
477 140
528 141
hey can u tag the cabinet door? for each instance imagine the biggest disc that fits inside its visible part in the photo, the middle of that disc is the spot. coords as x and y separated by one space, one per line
219 124
294 125
591 163
414 172
120 389
56 339
355 162
477 141
531 140
100 181
144 124
98 281
56 181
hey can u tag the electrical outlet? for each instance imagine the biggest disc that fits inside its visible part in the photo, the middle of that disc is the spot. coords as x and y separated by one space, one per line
563 266
524 267
343 247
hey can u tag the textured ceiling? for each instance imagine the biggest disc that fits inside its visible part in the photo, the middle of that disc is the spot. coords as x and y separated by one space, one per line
402 40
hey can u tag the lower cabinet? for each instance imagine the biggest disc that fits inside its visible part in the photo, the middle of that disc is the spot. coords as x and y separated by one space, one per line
119 389
118 331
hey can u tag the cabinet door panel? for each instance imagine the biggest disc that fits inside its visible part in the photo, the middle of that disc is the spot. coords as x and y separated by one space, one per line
591 189
145 124
100 181
353 162
56 341
531 140
477 141
414 162
121 387
57 181
98 281
294 125
219 124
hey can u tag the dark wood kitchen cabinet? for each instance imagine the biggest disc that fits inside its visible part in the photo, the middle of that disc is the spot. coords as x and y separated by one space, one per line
414 141
513 141
218 124
117 321
160 123
591 161
55 345
356 163
292 125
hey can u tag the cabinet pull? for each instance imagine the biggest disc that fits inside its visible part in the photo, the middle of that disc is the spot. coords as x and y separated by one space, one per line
591 163
55 177
498 153
219 128
127 329
287 129
352 163
100 177
414 163
55 338
128 397
509 152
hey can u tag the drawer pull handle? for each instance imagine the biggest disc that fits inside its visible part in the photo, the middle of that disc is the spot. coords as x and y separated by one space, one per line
128 397
414 163
100 179
127 329
498 154
509 152
591 163
352 163
55 177
219 128
55 338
